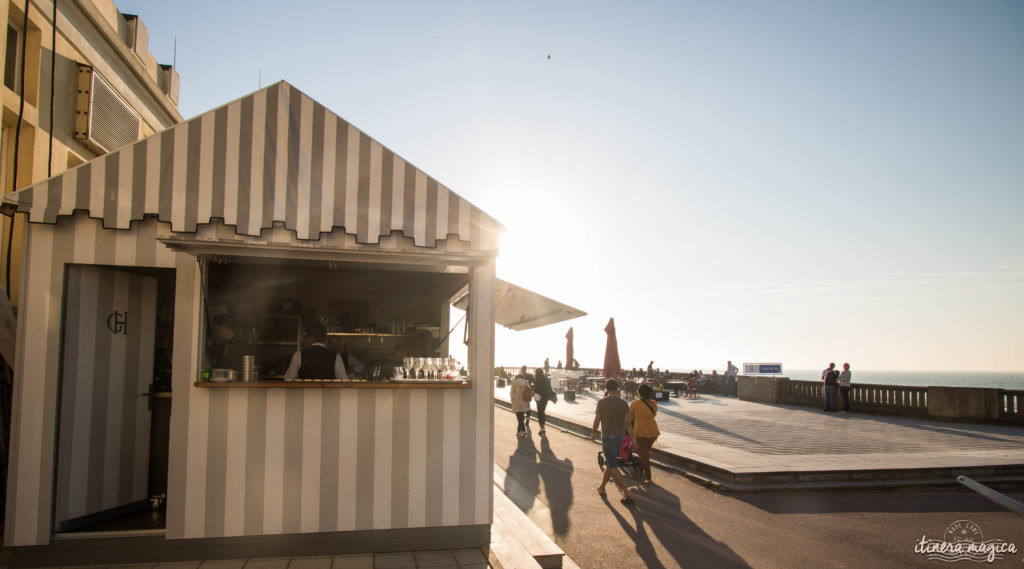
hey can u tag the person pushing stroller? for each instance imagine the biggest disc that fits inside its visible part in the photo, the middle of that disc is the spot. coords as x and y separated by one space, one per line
612 416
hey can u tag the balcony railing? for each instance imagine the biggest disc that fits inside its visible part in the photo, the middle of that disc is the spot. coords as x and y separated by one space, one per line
1012 408
887 399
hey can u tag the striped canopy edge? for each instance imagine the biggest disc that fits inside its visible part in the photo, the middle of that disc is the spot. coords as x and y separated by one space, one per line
275 155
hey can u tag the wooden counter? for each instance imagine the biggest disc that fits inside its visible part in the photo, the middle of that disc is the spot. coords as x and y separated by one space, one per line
337 384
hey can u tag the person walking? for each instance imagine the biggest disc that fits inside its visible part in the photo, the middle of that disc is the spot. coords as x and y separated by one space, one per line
645 428
521 394
730 379
612 417
542 394
844 387
831 385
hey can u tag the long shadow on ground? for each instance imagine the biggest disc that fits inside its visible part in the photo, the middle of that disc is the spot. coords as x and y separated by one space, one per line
527 468
658 511
557 476
706 426
522 469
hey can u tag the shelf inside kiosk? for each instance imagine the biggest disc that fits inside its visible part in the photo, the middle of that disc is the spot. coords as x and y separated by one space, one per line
385 325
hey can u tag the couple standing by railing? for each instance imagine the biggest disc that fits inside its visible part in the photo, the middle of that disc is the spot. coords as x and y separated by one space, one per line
836 382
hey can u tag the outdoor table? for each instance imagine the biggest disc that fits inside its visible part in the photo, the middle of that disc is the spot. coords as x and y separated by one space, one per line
674 384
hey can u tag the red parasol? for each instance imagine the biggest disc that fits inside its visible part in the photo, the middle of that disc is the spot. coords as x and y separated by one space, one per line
568 349
612 367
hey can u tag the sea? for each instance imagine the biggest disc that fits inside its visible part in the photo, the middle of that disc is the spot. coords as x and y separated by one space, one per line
1001 380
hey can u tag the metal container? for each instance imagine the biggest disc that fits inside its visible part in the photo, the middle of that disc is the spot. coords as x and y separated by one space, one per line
222 374
248 368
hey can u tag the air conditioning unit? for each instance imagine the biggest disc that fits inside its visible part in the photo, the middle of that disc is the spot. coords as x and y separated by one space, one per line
102 118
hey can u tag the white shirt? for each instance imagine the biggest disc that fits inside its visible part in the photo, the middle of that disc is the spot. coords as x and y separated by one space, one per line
293 367
356 366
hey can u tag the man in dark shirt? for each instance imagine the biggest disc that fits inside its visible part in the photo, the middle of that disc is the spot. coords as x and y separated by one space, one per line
612 416
831 387
315 361
228 347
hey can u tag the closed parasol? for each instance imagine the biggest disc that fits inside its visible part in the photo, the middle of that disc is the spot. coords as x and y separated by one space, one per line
568 349
612 367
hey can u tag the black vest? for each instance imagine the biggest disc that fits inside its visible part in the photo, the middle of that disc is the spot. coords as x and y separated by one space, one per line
317 363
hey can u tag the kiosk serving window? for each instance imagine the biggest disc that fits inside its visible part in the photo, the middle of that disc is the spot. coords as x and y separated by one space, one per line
378 319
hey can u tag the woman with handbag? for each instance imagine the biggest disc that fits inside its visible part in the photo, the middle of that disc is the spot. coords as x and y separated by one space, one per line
521 394
542 393
645 429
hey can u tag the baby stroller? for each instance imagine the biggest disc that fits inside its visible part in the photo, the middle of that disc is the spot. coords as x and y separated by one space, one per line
627 459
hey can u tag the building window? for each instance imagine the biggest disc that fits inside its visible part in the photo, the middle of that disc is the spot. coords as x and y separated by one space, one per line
12 63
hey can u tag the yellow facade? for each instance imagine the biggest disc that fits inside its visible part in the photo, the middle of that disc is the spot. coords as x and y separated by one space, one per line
91 33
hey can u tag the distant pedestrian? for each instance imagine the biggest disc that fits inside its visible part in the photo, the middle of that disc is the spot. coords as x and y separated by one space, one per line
547 366
612 416
521 395
645 428
542 394
844 387
650 369
831 385
730 379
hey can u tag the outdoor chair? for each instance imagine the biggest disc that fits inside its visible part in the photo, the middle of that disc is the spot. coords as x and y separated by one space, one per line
693 388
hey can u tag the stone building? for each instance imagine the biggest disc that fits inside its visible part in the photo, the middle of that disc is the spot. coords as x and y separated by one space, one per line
83 88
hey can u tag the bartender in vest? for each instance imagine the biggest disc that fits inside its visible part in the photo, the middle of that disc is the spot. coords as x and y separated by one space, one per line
315 361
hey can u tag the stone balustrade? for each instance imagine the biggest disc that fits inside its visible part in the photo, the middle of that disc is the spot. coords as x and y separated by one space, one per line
967 404
979 404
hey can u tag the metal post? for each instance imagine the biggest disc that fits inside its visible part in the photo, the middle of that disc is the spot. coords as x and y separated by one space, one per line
1001 499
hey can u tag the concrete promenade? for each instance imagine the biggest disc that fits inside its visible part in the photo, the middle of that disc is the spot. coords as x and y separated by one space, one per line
678 524
747 438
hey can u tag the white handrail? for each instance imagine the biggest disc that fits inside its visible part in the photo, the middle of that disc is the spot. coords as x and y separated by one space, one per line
1001 499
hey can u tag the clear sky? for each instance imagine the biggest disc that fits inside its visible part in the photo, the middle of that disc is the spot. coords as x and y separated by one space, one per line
795 182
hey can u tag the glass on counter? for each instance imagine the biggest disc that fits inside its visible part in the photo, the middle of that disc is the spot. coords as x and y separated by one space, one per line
428 369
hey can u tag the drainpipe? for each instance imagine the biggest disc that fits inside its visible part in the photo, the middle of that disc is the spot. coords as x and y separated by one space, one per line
17 144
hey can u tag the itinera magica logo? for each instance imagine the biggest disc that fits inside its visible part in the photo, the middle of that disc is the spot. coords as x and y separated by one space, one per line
964 541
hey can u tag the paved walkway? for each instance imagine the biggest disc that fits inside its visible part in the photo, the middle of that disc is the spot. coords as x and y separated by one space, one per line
746 437
457 559
676 523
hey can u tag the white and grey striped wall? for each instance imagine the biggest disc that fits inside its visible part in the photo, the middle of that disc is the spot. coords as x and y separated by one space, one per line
250 462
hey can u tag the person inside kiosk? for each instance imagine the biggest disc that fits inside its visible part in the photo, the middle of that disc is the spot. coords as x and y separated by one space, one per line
228 346
315 360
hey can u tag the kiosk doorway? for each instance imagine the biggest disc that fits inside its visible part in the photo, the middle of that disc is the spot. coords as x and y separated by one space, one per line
114 405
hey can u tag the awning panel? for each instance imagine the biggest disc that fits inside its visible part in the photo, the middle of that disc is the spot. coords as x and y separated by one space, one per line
522 309
274 156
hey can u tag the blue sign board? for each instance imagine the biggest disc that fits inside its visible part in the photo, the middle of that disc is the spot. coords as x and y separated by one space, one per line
762 369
